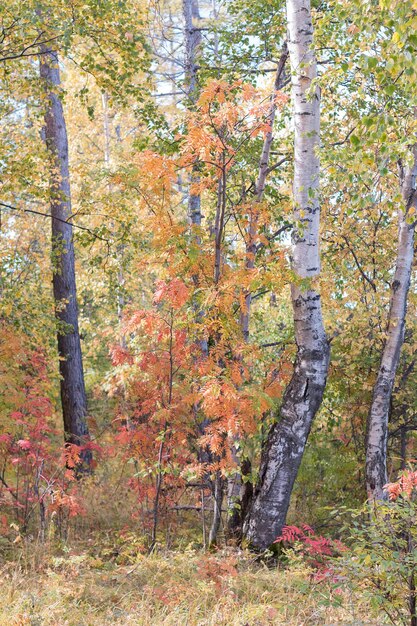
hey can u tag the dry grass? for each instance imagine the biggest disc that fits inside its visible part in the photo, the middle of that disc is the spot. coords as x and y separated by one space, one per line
167 589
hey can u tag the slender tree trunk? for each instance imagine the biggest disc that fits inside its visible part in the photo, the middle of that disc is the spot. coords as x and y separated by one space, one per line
286 442
218 484
217 508
192 48
239 492
73 396
412 599
377 433
260 186
193 40
403 447
120 248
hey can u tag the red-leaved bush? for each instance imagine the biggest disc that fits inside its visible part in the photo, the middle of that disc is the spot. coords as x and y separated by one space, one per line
316 549
37 483
405 486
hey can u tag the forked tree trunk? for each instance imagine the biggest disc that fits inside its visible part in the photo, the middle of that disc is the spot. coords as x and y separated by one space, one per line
73 396
377 432
286 442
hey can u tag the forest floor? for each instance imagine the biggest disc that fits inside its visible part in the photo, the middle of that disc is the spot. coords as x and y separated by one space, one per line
188 588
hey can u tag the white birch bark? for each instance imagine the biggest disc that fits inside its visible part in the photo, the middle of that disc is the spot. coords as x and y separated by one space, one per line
283 452
377 432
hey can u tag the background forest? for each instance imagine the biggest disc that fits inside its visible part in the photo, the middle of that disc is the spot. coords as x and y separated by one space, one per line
208 338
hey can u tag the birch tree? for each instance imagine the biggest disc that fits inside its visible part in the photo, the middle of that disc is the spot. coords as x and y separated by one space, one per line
286 441
377 433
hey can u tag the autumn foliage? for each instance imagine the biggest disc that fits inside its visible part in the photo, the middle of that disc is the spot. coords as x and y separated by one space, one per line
208 301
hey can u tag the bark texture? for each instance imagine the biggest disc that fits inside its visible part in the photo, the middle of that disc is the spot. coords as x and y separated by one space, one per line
73 396
377 432
286 442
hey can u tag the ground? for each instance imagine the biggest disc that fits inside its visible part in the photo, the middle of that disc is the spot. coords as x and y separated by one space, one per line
189 588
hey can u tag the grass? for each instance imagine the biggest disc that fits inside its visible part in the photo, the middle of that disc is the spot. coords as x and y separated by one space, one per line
88 587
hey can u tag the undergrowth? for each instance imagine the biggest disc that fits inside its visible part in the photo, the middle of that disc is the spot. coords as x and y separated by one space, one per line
115 583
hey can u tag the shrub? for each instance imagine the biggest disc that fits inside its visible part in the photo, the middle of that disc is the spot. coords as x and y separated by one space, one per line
383 560
316 551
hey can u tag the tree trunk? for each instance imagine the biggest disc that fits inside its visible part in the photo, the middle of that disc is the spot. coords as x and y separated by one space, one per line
403 447
377 432
239 497
217 508
193 41
73 396
260 186
286 442
192 47
120 247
